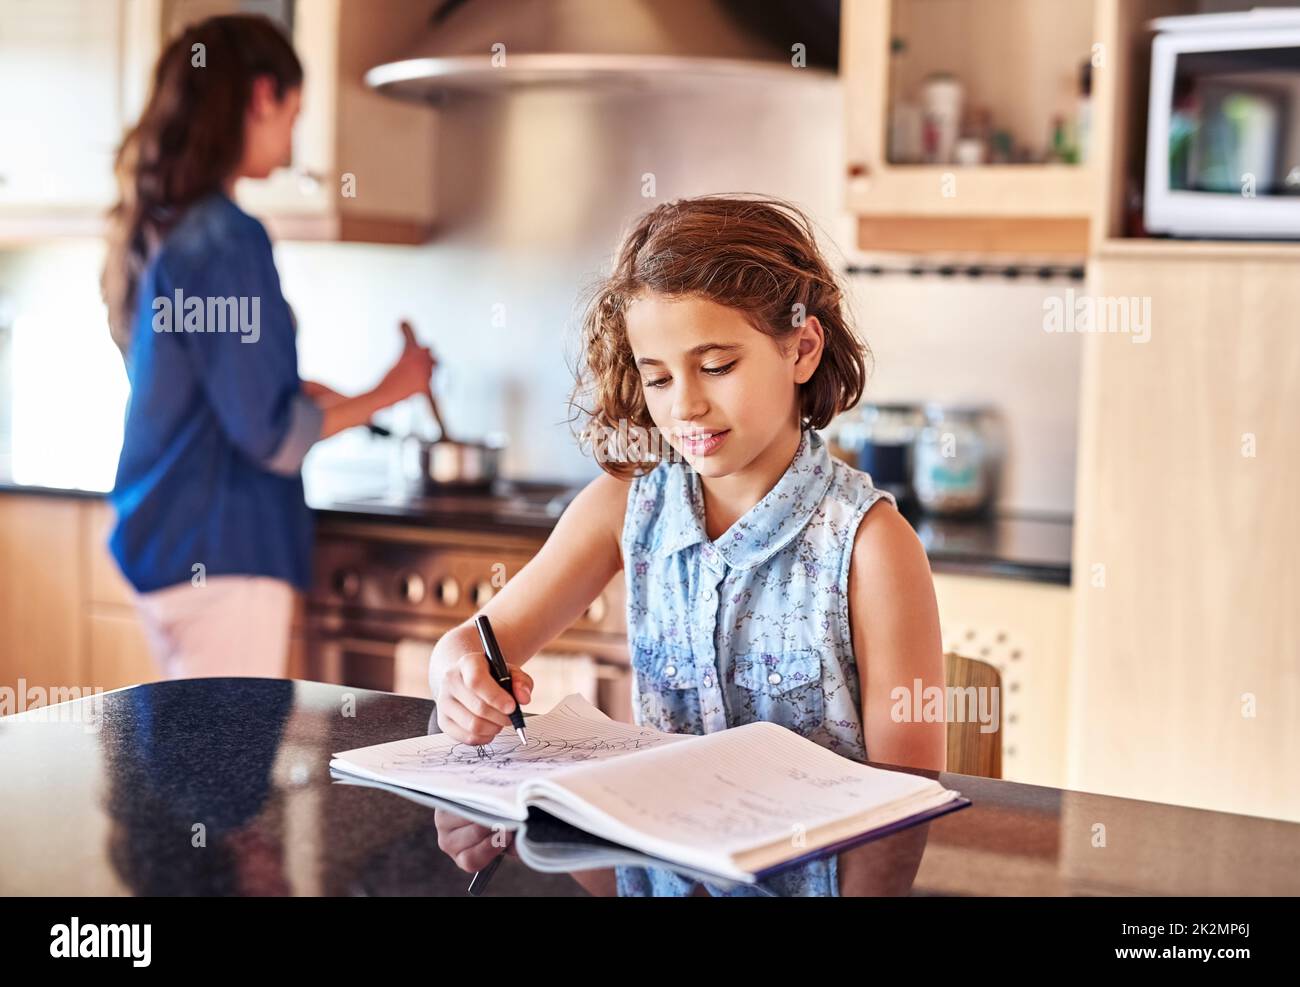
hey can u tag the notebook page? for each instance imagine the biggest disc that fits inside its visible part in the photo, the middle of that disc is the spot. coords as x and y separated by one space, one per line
735 790
573 734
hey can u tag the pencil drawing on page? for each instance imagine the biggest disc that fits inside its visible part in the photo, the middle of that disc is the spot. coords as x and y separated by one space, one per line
506 762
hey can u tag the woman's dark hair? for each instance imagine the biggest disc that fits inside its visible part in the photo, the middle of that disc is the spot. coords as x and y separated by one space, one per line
755 254
187 141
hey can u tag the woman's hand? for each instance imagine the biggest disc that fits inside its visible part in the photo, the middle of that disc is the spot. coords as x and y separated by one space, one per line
409 375
470 845
472 708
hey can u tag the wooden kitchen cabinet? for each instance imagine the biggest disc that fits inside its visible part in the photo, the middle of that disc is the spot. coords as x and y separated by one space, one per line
1019 58
1023 629
61 116
42 585
107 586
1186 686
117 649
363 164
348 138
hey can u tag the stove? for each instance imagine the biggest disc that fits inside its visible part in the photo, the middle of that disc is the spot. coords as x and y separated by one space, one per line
394 571
530 505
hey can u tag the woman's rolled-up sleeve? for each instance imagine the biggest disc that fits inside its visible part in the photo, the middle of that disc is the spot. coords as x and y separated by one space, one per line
244 353
305 421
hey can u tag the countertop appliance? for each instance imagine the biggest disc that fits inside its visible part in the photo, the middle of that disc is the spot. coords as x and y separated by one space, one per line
1223 128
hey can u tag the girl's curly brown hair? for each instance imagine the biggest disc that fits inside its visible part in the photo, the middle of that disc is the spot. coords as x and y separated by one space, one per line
751 253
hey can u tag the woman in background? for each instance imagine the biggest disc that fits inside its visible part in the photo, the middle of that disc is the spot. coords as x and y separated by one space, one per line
213 530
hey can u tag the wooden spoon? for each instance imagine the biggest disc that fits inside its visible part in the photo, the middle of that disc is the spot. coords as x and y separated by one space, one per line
408 332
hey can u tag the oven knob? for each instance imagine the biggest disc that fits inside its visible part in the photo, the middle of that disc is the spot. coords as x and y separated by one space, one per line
482 593
347 583
448 592
410 587
596 612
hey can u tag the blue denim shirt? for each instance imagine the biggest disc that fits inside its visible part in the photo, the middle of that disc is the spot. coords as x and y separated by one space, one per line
217 425
752 626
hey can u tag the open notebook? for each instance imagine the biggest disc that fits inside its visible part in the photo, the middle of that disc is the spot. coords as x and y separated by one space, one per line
741 803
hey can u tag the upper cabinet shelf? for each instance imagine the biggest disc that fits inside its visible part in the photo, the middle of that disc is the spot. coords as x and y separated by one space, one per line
363 165
1053 95
969 124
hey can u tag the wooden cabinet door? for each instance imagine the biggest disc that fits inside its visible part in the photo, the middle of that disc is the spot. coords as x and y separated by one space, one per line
1187 575
61 114
363 165
1014 57
1023 630
41 586
118 652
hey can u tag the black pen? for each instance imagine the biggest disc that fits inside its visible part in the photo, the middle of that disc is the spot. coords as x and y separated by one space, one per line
497 666
478 883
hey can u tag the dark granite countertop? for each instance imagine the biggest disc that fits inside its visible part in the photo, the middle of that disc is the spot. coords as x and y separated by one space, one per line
1013 546
110 795
1035 548
11 486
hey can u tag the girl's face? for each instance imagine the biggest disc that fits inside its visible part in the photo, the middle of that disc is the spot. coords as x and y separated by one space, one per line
719 390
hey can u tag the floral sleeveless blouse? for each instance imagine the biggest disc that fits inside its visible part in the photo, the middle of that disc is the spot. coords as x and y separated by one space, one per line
752 626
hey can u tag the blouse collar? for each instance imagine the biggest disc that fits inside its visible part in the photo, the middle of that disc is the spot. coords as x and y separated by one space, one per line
765 528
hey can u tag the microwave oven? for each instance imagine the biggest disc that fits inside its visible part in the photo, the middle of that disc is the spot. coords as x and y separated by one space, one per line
1223 126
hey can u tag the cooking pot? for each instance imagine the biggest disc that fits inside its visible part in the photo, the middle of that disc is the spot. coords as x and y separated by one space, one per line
433 466
438 465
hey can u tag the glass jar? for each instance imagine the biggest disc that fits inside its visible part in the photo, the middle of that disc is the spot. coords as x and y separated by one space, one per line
878 439
888 436
952 461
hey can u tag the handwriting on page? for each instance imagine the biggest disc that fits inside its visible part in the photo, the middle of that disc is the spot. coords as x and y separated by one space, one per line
737 788
716 808
824 781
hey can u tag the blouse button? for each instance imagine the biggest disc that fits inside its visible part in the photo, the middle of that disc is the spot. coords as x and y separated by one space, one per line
774 678
708 594
708 681
670 671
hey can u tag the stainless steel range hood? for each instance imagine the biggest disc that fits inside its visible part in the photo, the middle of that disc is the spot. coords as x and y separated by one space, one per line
482 46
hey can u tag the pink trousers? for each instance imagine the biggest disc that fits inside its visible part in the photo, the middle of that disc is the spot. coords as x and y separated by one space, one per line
230 625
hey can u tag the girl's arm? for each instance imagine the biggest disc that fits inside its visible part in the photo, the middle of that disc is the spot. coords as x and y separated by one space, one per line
896 639
547 595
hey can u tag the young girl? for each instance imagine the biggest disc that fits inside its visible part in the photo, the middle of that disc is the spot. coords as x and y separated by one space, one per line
765 579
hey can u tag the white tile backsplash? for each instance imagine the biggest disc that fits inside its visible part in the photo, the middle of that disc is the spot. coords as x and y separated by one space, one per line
963 341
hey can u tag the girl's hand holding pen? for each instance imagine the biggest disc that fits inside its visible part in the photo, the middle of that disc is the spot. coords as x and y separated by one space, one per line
472 707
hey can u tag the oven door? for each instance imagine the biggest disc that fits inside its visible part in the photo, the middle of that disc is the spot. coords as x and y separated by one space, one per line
393 656
386 655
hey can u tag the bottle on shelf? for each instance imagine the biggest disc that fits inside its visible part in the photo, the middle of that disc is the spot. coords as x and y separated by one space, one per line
1083 115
